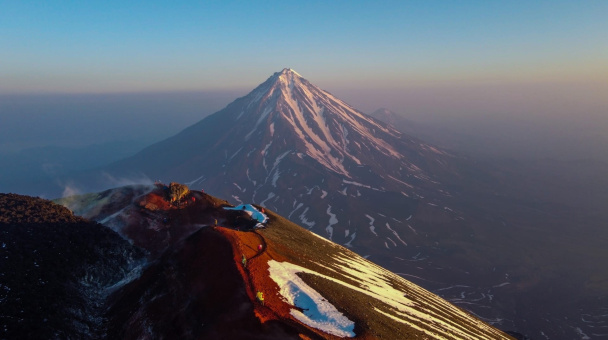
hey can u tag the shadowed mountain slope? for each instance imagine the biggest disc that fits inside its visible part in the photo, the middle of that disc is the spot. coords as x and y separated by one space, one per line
56 270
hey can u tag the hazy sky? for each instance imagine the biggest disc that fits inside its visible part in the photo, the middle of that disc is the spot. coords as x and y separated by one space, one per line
134 46
534 73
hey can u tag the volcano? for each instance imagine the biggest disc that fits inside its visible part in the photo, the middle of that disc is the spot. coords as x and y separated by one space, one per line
432 216
294 148
297 149
211 274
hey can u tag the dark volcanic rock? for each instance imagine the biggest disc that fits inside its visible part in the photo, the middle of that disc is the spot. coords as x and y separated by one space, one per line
56 270
194 291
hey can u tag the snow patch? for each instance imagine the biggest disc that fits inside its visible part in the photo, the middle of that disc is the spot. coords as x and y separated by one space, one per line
294 210
352 238
275 178
304 220
317 311
249 178
270 195
200 179
582 335
371 224
395 233
434 317
332 220
361 185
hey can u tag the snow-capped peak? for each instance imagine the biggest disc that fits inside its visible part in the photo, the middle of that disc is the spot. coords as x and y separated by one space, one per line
323 124
287 71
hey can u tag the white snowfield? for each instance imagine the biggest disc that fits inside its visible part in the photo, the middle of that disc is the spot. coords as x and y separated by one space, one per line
397 299
317 312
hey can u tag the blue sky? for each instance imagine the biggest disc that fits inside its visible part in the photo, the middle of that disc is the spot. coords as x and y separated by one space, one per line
138 46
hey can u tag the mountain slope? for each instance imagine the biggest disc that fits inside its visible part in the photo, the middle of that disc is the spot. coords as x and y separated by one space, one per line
296 148
196 286
431 216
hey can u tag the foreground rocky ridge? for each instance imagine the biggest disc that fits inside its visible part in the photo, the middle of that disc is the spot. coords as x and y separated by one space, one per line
57 270
196 285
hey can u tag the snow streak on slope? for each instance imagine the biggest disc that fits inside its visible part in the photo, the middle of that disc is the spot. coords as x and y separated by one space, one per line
321 122
372 228
432 316
332 220
410 305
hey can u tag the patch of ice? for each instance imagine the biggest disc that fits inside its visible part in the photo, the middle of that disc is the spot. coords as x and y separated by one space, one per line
251 211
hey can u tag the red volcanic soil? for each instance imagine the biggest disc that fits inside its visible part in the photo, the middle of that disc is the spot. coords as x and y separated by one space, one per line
194 291
196 286
155 224
196 276
256 276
